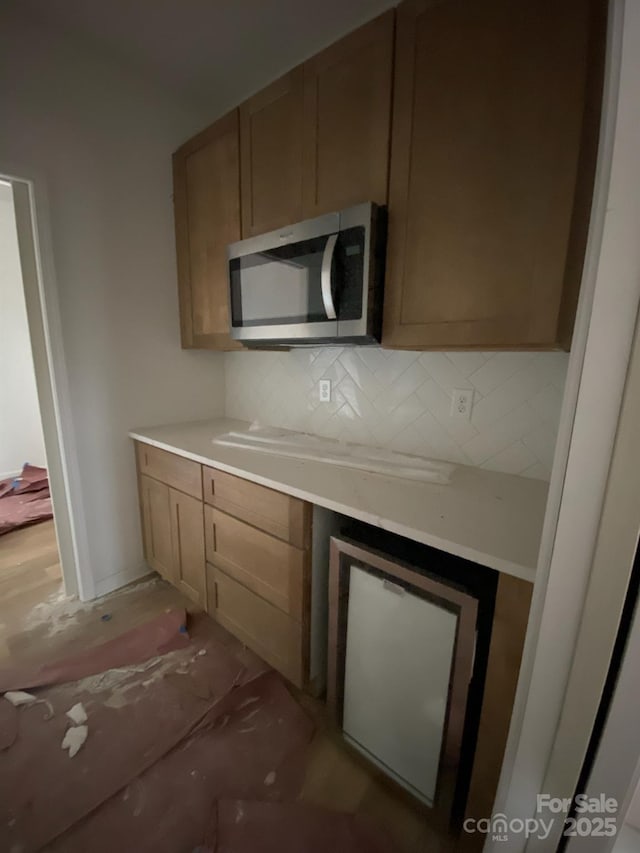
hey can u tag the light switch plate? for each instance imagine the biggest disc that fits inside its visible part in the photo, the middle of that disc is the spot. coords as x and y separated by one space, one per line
324 390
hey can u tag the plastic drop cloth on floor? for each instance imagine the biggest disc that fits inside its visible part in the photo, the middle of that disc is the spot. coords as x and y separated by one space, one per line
25 499
166 738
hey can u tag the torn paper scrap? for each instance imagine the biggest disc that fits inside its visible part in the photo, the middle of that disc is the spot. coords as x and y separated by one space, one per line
77 714
74 738
19 697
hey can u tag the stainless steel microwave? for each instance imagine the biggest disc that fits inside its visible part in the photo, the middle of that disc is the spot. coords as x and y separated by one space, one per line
317 282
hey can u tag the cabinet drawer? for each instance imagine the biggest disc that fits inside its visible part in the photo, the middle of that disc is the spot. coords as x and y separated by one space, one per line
269 632
281 515
273 569
169 468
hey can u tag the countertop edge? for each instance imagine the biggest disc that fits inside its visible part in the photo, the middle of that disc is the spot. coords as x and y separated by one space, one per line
526 573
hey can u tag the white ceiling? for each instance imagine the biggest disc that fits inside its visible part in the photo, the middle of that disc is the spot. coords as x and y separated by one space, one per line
215 52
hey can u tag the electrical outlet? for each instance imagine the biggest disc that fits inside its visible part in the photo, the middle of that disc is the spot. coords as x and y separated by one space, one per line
324 390
461 403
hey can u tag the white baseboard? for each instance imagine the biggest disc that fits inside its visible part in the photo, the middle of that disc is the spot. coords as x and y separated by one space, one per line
119 579
10 474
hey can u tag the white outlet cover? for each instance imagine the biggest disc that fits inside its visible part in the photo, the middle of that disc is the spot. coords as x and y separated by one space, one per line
461 403
324 390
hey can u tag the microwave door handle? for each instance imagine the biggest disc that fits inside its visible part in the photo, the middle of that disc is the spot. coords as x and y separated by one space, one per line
325 277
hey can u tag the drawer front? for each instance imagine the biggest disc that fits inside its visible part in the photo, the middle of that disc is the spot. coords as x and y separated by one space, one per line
182 474
270 633
273 569
281 515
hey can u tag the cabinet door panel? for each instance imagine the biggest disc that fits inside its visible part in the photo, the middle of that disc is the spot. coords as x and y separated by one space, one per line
206 174
278 639
187 524
271 156
156 520
347 117
488 109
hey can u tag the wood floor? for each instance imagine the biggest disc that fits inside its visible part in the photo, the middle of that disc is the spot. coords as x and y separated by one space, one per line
36 618
30 574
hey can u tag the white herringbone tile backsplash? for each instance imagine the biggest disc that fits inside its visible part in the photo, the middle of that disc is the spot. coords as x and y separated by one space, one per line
402 400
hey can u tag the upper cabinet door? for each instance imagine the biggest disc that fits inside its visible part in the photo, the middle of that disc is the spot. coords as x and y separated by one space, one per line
271 154
347 119
489 101
206 178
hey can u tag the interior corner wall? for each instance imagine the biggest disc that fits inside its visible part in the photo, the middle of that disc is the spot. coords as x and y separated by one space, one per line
21 437
98 139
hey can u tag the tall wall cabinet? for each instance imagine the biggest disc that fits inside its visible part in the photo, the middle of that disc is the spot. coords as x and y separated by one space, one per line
475 121
206 199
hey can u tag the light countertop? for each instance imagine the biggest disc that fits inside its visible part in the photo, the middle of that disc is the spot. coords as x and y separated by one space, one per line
490 518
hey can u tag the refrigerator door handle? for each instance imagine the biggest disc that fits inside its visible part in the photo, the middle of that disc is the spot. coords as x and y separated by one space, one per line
393 587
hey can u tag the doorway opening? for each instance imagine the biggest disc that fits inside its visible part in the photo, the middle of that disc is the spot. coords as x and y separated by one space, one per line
30 570
38 541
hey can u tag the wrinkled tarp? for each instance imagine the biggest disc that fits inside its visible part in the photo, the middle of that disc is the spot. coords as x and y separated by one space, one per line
25 499
156 637
163 745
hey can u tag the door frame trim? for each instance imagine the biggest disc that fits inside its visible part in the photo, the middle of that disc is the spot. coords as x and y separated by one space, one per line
45 331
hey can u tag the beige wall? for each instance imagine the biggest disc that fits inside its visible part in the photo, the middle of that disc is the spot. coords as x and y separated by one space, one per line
99 140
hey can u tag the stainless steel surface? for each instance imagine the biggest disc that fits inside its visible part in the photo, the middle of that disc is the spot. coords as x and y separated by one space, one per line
290 331
307 230
393 587
325 277
365 329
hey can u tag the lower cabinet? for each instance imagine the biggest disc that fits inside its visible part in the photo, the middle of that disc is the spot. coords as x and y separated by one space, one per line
173 537
249 566
187 538
259 579
156 526
275 570
278 639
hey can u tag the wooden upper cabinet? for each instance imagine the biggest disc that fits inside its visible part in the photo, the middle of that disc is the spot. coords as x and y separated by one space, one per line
347 119
271 155
490 101
206 178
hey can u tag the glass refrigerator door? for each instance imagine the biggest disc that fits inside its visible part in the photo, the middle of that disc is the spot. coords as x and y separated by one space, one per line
399 655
